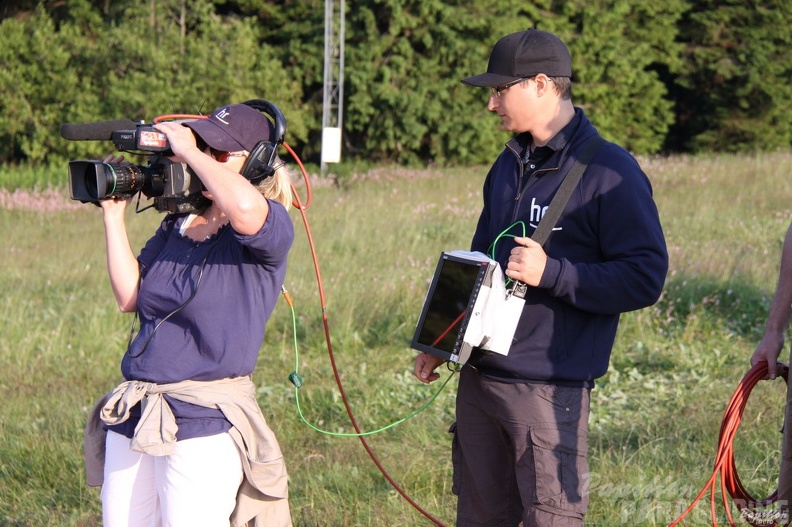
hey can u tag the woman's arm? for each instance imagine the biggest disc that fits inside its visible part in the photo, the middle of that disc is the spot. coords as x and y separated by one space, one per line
122 266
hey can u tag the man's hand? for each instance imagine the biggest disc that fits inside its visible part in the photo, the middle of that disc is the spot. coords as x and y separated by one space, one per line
768 350
425 365
527 262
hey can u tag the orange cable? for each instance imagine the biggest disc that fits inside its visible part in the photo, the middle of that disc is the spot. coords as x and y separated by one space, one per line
730 482
299 206
309 194
172 116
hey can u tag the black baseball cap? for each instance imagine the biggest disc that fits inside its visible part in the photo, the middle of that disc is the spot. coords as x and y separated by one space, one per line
524 54
234 127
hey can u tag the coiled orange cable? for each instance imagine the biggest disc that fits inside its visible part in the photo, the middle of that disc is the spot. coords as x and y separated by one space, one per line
724 462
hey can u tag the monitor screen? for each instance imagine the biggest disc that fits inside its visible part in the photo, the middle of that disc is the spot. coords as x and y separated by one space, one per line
448 305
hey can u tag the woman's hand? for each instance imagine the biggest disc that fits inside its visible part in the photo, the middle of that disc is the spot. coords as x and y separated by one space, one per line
114 207
181 139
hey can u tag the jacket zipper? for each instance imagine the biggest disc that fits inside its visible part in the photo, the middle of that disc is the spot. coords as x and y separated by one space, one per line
524 186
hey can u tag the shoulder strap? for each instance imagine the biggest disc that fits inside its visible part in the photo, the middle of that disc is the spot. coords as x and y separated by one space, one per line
564 192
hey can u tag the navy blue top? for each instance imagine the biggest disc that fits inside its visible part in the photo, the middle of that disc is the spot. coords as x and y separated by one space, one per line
219 332
606 256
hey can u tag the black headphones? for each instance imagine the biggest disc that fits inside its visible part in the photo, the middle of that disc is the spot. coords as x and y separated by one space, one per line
263 159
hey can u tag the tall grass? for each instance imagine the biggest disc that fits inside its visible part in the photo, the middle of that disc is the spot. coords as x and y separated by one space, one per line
655 415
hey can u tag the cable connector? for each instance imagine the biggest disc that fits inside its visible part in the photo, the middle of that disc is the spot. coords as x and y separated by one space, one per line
287 296
295 379
518 289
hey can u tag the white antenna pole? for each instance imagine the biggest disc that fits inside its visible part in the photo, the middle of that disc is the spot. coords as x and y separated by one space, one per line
333 100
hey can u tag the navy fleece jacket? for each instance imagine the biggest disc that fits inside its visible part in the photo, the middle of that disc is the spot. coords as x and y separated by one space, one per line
606 256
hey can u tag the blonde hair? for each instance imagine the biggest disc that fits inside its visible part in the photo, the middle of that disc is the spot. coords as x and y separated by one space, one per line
278 187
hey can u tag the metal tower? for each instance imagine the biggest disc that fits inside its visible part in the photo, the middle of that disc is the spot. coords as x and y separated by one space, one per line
333 103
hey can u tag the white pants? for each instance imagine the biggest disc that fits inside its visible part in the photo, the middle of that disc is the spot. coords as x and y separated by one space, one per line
195 486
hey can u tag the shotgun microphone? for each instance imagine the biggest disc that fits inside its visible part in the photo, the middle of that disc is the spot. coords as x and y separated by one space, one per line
97 131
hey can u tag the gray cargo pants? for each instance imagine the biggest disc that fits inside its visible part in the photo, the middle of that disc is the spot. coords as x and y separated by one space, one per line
519 453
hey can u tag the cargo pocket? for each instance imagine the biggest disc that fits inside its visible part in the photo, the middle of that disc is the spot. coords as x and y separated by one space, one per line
562 471
456 457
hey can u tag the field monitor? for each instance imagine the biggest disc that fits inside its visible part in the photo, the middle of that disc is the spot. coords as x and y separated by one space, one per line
467 307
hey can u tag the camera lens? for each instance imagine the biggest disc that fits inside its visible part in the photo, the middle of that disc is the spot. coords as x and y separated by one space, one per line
121 180
91 181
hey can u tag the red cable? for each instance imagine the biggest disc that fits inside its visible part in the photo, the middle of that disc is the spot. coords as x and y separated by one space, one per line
296 201
449 328
724 460
371 454
168 117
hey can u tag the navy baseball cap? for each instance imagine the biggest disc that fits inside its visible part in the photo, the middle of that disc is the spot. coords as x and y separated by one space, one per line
233 128
524 54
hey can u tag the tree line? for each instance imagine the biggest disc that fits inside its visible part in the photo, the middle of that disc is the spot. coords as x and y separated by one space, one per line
678 76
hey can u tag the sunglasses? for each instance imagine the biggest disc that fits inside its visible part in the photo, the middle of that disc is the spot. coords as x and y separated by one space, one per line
222 157
219 155
497 91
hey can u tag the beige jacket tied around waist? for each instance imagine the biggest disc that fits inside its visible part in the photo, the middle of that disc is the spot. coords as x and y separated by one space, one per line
262 497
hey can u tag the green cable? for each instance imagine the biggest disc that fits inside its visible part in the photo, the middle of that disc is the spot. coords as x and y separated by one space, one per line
297 381
491 249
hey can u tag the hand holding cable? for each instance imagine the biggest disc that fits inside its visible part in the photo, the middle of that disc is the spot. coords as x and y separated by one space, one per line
527 262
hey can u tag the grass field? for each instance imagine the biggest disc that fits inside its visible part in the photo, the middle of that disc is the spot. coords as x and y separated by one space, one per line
655 415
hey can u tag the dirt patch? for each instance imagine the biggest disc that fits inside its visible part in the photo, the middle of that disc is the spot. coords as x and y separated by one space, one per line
48 200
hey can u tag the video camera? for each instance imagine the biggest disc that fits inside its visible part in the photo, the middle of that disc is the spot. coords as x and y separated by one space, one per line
174 187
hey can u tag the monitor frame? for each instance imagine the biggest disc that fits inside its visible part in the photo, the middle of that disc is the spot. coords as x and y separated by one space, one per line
437 342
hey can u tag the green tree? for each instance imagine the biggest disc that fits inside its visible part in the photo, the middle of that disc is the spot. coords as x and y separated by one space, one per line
192 61
677 75
38 86
165 57
405 59
737 84
619 50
